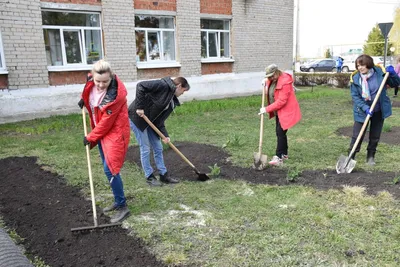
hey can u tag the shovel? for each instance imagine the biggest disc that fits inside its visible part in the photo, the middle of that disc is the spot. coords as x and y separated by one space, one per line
347 164
260 160
202 176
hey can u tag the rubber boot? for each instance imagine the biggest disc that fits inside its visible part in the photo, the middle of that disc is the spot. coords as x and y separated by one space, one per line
371 158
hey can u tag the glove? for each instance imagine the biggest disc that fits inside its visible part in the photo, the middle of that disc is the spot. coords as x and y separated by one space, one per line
81 103
85 141
390 69
262 111
369 112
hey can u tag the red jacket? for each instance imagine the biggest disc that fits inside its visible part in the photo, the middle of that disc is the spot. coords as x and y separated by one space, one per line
112 123
285 103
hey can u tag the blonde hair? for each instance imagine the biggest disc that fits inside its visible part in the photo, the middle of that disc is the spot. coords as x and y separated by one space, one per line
101 67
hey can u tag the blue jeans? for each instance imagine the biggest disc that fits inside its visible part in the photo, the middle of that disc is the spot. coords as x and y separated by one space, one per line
148 140
115 182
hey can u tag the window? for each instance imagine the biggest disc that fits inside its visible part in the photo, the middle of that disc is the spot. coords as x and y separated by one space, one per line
72 38
155 39
2 60
215 35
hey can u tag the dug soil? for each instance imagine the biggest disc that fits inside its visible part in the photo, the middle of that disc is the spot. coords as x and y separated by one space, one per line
42 208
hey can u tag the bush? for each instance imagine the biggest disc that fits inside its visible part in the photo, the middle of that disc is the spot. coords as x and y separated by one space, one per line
340 80
343 80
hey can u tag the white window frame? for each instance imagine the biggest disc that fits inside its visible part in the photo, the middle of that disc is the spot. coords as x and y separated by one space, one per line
218 58
3 68
159 63
81 30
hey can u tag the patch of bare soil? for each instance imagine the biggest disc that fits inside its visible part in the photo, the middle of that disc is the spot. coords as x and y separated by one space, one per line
202 156
392 137
395 102
42 208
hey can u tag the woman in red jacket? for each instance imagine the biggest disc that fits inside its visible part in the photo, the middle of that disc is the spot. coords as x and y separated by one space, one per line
104 96
283 105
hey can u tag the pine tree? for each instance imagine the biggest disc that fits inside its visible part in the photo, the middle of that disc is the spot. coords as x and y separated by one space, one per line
375 44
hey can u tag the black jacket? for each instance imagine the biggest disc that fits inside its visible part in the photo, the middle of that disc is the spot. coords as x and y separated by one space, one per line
157 99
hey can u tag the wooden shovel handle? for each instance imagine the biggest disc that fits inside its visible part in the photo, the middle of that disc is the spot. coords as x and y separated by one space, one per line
262 121
378 94
169 143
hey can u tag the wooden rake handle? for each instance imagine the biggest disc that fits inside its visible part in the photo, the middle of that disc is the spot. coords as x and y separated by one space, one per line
378 94
89 170
169 143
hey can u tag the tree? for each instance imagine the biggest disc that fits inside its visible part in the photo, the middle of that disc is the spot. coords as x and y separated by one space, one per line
375 44
394 35
328 53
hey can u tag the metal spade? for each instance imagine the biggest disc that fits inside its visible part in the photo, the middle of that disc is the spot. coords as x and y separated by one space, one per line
347 164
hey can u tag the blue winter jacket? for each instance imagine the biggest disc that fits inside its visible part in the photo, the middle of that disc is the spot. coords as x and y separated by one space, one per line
359 103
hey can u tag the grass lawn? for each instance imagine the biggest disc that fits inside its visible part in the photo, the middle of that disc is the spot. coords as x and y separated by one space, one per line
226 223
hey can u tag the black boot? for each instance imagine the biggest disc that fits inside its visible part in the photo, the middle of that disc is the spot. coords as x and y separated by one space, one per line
168 180
152 180
371 158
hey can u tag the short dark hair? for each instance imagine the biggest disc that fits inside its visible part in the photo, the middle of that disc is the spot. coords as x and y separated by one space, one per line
184 83
365 60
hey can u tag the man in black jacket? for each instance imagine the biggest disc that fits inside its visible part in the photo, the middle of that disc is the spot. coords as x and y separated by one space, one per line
156 99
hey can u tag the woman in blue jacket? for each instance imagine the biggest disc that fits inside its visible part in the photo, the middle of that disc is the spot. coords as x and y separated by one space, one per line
365 82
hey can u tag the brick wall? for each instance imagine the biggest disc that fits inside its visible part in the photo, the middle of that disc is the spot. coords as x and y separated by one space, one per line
119 37
169 5
188 37
222 7
82 2
215 68
21 28
67 77
263 34
146 74
3 81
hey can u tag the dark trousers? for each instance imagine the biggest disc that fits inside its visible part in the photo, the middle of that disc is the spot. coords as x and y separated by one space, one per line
282 144
396 90
375 130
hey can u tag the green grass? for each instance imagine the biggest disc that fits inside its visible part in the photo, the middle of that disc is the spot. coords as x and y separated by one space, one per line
231 223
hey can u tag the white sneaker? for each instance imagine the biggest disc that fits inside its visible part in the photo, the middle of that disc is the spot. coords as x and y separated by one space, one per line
285 157
276 161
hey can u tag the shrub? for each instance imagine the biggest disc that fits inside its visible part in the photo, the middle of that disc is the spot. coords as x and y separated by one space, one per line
343 80
340 80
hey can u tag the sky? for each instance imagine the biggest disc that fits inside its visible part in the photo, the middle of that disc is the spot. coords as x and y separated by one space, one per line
335 23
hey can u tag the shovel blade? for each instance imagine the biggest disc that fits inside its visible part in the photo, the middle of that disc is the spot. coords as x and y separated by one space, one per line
203 177
345 164
260 161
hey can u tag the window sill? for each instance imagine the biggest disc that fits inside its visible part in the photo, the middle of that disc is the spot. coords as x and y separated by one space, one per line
217 60
3 71
69 68
158 65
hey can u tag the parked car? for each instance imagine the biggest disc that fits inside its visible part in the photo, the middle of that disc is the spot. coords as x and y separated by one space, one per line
349 66
378 60
326 65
